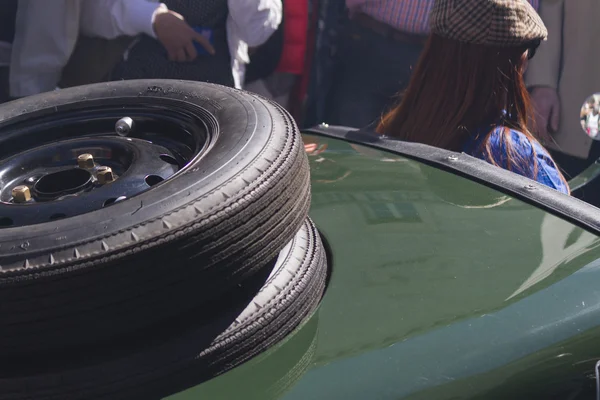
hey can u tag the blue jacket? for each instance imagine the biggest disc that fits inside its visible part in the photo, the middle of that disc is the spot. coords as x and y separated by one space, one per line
526 151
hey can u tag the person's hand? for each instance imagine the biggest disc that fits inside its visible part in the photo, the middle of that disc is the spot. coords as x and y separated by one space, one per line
178 37
546 104
310 147
314 149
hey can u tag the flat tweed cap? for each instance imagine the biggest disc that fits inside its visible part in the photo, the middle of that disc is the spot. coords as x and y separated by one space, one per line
502 23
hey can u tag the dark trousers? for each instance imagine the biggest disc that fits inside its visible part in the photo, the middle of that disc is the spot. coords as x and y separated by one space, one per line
4 86
370 70
573 166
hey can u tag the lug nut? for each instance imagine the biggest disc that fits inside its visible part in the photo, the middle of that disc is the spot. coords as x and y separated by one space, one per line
105 175
85 161
21 194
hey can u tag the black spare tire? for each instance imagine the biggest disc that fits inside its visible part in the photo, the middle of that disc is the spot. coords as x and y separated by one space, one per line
162 362
240 193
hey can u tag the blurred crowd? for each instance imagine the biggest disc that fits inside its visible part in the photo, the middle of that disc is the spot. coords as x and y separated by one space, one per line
343 62
590 117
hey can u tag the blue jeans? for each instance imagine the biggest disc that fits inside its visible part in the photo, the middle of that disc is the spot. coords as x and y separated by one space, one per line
370 70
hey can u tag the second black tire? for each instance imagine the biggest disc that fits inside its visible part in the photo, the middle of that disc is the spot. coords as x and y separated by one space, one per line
286 298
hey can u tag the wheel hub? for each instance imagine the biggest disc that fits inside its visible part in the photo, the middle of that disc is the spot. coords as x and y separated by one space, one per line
55 185
58 177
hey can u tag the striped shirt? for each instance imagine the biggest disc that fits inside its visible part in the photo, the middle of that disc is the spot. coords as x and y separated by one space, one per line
411 16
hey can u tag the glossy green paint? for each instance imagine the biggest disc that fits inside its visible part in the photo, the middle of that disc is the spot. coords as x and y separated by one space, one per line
441 289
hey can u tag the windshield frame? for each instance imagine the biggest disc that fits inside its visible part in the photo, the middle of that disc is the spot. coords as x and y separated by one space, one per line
569 208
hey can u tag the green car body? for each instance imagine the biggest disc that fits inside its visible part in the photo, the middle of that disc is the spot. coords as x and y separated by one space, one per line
443 286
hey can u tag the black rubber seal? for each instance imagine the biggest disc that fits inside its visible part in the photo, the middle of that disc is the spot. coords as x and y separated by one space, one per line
569 208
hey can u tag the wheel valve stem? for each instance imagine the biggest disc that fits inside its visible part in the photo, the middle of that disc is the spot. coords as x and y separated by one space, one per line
21 194
124 126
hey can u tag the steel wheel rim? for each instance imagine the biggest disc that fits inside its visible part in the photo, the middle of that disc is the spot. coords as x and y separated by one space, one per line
41 155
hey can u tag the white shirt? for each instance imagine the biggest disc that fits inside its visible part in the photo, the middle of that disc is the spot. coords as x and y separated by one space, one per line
592 124
47 32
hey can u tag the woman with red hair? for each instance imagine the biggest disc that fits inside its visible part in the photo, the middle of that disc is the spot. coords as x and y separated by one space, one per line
467 92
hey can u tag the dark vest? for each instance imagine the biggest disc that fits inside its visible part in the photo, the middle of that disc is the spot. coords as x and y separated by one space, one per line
265 58
148 59
8 17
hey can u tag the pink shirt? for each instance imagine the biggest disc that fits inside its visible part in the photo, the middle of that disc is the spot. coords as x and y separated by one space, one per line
410 16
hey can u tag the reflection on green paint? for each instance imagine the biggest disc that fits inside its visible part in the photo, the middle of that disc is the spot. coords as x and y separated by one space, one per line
425 246
441 289
547 374
266 377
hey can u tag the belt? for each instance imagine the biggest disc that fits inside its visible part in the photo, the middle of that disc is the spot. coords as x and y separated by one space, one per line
388 31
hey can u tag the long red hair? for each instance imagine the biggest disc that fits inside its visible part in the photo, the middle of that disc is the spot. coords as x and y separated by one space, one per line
458 89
